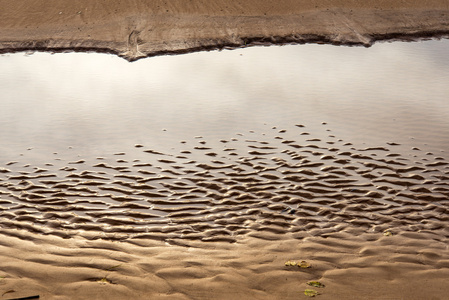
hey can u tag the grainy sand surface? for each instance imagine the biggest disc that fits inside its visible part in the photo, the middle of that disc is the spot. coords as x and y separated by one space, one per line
136 29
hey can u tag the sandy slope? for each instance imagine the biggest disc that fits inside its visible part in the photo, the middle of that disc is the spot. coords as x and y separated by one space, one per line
135 29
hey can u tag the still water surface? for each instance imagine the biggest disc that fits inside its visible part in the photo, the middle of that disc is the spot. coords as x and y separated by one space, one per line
99 103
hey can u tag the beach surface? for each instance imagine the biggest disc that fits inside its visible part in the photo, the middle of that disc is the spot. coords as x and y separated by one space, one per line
332 170
233 221
137 29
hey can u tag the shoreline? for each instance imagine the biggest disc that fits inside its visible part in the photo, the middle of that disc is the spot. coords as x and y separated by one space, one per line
370 221
148 180
144 30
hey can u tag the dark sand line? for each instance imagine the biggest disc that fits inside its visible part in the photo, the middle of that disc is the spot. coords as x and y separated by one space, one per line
137 29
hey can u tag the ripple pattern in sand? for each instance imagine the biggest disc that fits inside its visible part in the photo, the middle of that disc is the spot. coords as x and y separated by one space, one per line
264 187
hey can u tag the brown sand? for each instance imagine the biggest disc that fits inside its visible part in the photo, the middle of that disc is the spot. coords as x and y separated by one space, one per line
136 29
207 222
369 266
220 222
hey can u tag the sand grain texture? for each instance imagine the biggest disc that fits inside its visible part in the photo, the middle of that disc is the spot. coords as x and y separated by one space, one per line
136 29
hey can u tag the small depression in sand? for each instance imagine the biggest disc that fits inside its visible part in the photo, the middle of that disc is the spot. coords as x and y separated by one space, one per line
281 143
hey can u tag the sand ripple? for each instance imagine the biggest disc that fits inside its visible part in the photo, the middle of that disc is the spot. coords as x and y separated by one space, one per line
204 192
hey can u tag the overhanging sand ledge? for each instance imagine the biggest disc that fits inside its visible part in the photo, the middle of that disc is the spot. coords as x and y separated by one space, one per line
138 29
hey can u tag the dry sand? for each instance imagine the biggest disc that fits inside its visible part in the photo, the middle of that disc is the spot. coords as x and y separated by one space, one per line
136 29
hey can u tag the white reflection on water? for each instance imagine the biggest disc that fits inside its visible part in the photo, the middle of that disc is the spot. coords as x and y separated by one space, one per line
389 92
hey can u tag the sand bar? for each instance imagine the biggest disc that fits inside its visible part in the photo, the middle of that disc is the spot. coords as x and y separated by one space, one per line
136 29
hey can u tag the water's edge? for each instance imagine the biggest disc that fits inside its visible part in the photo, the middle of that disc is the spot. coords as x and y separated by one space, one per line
133 37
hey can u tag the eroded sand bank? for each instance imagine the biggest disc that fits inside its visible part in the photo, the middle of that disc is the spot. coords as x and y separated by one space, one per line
136 29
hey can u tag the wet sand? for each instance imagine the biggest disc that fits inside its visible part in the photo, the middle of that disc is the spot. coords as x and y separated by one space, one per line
136 29
369 266
206 221
218 217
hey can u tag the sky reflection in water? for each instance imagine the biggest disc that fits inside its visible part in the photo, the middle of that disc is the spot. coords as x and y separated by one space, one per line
389 92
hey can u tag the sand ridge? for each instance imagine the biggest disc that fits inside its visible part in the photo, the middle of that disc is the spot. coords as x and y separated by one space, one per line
137 29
